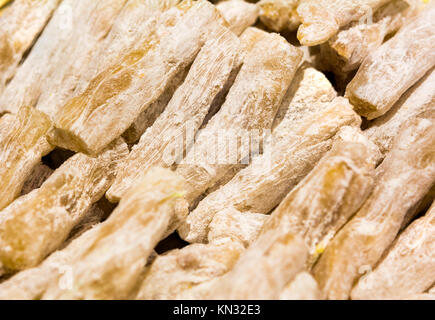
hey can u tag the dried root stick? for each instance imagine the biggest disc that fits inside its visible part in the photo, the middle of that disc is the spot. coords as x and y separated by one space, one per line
320 20
408 171
409 266
302 287
266 181
163 143
20 24
279 15
36 224
393 68
250 106
118 95
418 99
239 14
23 142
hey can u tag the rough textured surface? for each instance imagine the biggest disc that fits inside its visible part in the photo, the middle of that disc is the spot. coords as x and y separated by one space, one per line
420 98
394 67
239 14
302 287
166 140
251 105
48 76
279 15
39 174
117 96
328 197
36 224
408 171
409 266
265 182
322 19
89 267
23 142
20 25
346 50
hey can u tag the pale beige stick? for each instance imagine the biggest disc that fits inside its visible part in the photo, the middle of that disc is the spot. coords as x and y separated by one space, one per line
20 25
47 77
409 266
164 142
403 179
346 50
394 67
328 197
23 142
36 224
279 15
250 106
117 96
322 19
239 14
266 181
85 269
302 287
420 98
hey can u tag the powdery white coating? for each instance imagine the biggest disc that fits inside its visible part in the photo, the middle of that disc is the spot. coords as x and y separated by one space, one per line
239 14
331 193
420 98
302 287
23 142
394 67
408 171
178 272
36 224
20 25
117 96
409 266
167 139
266 181
279 15
272 261
251 104
346 50
322 19
48 76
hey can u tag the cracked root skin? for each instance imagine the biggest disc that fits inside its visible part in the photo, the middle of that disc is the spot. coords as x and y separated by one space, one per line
409 266
107 261
37 223
163 143
393 68
23 142
251 104
265 182
408 171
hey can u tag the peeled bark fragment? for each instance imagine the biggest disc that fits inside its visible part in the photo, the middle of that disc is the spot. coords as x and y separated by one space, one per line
393 68
409 266
418 99
264 183
272 260
165 141
86 269
20 24
302 287
322 19
346 50
36 224
239 14
23 142
328 197
48 76
118 95
279 15
251 105
408 171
